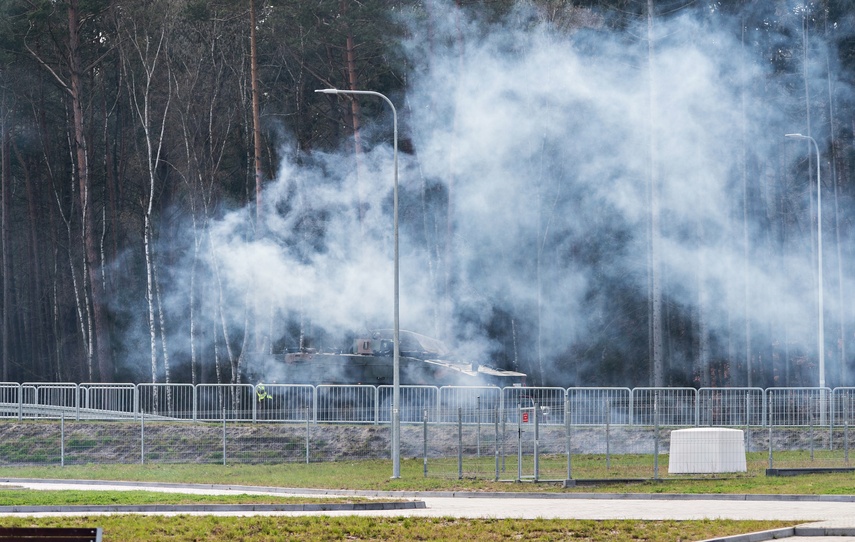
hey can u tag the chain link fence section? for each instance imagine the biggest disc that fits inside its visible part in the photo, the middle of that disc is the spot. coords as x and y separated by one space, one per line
91 441
468 447
843 412
30 442
800 428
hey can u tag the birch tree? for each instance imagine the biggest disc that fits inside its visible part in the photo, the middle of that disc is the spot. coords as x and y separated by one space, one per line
145 37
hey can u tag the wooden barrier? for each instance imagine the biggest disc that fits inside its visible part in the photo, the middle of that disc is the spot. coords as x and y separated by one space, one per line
51 534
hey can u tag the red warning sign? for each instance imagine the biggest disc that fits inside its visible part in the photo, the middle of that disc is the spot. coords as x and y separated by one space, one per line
525 417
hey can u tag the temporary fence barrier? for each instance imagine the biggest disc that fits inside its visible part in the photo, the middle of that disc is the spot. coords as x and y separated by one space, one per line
107 401
673 406
229 402
168 401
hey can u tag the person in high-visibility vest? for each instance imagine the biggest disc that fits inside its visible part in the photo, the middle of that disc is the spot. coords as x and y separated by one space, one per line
261 391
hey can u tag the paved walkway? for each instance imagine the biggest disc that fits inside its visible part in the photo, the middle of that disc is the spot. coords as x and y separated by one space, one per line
828 517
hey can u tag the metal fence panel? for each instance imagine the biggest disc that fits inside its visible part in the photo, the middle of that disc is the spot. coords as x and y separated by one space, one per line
478 403
171 401
550 402
10 400
843 406
599 406
286 403
49 400
799 406
346 404
731 407
674 406
225 401
107 401
414 400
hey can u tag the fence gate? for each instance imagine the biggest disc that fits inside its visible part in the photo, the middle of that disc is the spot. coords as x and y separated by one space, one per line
528 433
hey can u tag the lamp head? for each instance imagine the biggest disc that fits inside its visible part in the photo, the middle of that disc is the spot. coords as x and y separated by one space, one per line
328 90
796 136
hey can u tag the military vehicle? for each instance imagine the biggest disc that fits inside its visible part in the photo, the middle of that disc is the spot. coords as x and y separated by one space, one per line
422 361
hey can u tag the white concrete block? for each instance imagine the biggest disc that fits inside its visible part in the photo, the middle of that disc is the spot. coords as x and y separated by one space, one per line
703 450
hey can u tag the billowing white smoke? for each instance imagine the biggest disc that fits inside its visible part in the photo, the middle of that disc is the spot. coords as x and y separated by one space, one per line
543 142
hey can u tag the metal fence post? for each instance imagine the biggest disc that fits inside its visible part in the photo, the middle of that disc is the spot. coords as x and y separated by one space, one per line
769 419
536 439
224 436
142 437
504 432
496 429
425 441
608 435
567 434
478 427
519 442
846 427
748 421
810 430
830 421
377 407
62 439
656 438
308 425
459 443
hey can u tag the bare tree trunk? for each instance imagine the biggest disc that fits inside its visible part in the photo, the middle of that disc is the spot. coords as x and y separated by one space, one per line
355 111
4 236
256 131
149 295
148 52
40 339
256 115
101 336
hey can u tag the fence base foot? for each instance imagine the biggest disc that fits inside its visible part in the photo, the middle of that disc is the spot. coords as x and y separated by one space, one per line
568 483
808 470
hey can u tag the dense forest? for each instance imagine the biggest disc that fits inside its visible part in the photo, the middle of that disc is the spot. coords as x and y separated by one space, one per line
597 193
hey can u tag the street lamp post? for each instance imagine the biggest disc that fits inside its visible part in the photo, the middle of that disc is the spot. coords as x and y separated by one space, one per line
396 356
818 258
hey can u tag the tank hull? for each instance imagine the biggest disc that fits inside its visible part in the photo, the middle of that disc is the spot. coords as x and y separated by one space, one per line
343 369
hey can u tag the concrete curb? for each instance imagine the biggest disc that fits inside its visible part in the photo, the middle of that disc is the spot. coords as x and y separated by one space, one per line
786 532
759 536
815 530
209 508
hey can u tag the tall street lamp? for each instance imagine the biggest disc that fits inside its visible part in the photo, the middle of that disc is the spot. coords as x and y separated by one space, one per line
818 258
396 356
